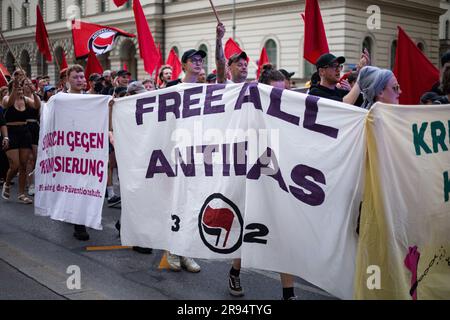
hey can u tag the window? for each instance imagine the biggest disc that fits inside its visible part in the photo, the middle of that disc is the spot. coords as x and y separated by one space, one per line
176 50
203 47
80 5
9 20
393 53
127 5
41 7
271 48
367 44
447 26
58 5
102 6
24 16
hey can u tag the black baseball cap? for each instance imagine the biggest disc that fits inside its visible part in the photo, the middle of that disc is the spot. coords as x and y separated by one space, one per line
121 73
328 59
95 77
236 57
192 52
211 77
286 74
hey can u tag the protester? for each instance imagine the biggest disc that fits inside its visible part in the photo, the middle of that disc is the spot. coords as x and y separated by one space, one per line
378 85
95 84
444 88
165 76
287 76
49 91
192 62
445 62
76 80
149 84
107 82
16 106
33 127
202 77
430 98
62 84
329 68
211 78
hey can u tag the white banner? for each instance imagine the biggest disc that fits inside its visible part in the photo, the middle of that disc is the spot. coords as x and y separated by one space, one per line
72 165
247 170
405 222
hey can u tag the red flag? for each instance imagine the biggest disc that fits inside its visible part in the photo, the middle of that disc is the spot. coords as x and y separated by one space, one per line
3 73
147 47
120 3
231 48
42 36
125 67
92 66
263 59
63 62
174 62
100 39
315 43
409 59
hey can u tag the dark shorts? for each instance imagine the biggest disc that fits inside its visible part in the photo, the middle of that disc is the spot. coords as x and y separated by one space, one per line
19 137
33 127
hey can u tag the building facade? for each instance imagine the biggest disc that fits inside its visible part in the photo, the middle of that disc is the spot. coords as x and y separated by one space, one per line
277 25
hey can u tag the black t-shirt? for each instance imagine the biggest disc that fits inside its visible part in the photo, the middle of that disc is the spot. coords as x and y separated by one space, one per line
324 92
333 94
173 83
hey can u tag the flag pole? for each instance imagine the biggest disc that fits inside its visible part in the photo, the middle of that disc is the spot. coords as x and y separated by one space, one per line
215 12
9 48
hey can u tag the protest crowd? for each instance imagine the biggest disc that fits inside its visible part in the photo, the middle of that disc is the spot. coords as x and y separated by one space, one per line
23 98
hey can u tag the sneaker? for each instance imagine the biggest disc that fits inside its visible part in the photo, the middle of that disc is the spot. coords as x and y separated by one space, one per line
174 262
234 286
291 298
24 199
190 265
80 232
143 250
5 191
114 201
31 190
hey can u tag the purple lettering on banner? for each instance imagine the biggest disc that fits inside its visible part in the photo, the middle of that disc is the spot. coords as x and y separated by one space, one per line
226 159
311 110
316 196
207 157
275 108
188 102
140 110
187 167
240 158
209 99
253 97
163 168
255 172
60 138
164 108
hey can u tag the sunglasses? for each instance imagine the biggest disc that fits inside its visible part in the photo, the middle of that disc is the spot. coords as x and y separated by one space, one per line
396 88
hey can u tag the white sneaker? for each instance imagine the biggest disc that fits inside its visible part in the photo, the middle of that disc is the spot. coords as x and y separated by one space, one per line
31 190
173 261
190 265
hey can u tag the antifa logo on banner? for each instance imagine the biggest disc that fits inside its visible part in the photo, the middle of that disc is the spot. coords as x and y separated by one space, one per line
102 41
220 224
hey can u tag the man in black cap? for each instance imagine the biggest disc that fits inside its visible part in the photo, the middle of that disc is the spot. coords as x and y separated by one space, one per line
192 64
287 76
237 64
329 68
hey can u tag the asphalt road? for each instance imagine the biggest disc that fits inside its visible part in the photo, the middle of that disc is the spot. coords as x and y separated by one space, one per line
36 252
